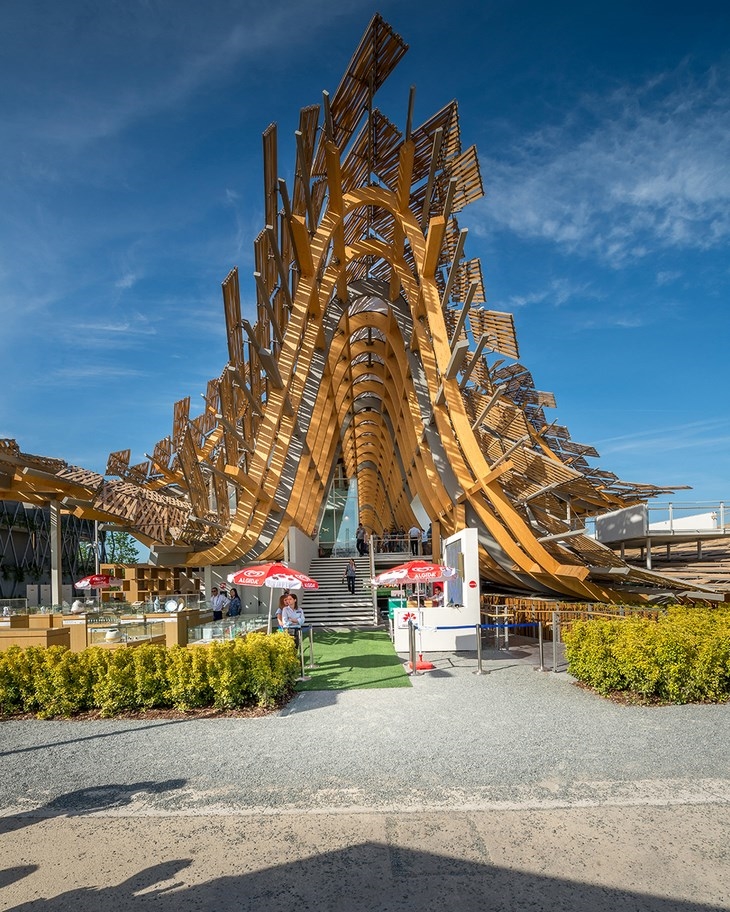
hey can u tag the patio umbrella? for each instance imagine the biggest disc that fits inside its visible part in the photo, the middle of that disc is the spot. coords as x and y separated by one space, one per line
98 581
416 571
275 575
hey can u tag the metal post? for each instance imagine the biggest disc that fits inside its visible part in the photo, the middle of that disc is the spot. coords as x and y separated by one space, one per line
301 656
479 651
56 555
722 515
506 629
412 647
312 663
540 646
555 641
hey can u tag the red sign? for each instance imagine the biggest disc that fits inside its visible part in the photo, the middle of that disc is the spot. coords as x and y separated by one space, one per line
472 584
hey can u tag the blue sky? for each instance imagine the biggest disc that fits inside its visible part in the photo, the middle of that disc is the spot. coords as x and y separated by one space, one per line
130 184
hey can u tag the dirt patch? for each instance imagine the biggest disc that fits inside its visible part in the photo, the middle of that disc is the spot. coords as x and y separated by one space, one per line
634 698
208 712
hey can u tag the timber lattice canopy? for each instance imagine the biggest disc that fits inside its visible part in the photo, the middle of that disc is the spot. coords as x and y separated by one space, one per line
372 347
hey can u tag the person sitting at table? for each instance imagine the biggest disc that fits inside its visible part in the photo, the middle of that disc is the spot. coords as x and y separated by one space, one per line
291 617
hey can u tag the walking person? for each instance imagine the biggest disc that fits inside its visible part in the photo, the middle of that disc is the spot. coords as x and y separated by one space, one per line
349 575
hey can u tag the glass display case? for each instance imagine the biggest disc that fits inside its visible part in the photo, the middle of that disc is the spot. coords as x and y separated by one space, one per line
125 632
226 629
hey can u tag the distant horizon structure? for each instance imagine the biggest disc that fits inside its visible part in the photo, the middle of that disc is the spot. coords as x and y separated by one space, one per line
372 351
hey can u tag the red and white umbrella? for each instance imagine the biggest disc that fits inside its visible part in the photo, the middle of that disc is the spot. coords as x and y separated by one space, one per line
275 575
98 581
415 571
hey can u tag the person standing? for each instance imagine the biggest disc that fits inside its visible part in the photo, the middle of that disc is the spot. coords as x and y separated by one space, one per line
217 603
360 539
291 616
414 534
234 604
349 575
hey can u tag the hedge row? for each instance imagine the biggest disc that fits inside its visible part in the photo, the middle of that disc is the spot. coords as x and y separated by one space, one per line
255 670
682 657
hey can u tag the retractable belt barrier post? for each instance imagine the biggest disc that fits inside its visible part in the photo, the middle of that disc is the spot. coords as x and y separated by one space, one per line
412 646
304 677
312 663
479 651
540 647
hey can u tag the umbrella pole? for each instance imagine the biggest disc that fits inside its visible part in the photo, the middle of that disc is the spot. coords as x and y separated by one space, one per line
422 664
271 600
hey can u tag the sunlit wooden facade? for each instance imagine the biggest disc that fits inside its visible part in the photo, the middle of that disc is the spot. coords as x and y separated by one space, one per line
372 345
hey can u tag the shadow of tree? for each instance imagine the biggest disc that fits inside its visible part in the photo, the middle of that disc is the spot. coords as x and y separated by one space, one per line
100 734
89 801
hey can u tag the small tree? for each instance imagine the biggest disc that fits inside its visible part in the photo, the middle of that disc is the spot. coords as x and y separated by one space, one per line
121 548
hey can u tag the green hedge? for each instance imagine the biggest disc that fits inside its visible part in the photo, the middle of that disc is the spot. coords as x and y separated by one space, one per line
255 670
682 657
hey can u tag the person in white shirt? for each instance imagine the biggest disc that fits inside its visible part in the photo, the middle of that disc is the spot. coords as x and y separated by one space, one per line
414 533
218 603
291 617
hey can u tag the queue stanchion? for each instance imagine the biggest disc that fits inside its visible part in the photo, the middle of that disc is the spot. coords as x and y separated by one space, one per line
479 670
312 663
412 647
540 647
304 676
555 641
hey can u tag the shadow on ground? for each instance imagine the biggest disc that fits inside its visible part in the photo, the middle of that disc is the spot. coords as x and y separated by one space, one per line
92 800
366 877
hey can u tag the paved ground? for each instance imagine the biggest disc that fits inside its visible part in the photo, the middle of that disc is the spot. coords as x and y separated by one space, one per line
511 790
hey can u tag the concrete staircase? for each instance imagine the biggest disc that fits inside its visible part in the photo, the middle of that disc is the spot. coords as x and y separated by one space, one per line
332 605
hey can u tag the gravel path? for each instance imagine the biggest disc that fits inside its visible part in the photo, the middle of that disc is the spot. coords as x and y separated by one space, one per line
511 791
511 739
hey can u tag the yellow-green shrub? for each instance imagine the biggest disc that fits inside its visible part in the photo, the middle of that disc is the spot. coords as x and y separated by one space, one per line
187 676
682 657
150 676
274 665
256 669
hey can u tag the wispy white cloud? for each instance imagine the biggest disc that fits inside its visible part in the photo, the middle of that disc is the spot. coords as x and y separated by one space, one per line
79 373
128 280
643 169
558 292
712 432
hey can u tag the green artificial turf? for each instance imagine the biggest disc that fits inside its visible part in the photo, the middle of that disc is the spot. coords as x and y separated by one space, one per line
353 660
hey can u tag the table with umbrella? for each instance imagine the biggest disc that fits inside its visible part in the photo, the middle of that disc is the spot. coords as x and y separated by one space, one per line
274 575
98 581
416 572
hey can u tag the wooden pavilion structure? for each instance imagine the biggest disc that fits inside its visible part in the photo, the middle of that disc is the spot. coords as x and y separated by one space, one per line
372 346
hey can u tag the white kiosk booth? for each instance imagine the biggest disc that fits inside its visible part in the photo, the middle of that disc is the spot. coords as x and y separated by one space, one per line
450 627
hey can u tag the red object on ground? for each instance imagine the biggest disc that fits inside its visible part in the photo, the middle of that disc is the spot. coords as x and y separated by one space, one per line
422 664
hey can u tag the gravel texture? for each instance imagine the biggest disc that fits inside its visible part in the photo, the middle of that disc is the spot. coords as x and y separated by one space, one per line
514 738
514 790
